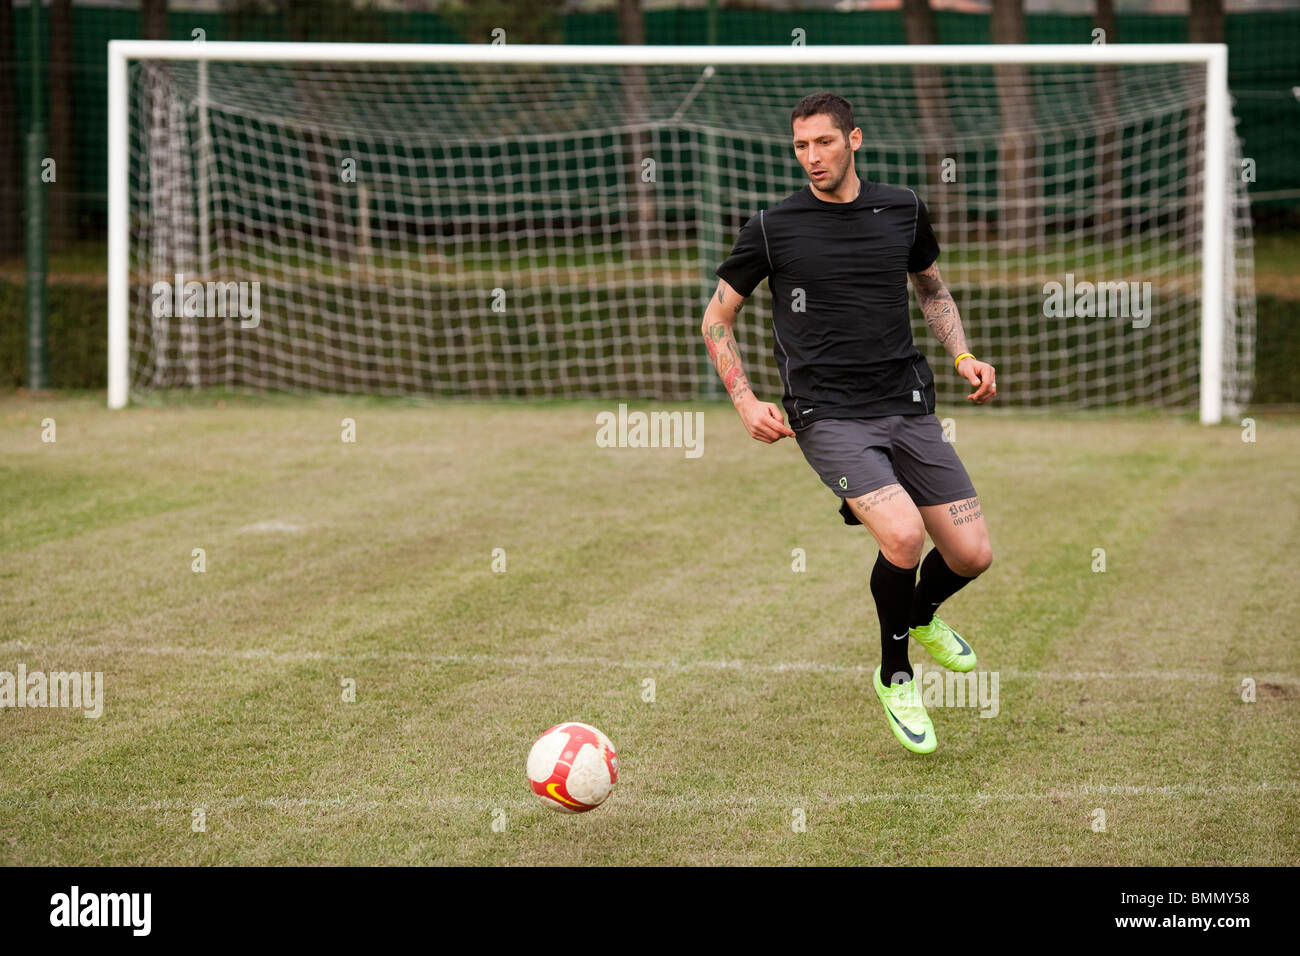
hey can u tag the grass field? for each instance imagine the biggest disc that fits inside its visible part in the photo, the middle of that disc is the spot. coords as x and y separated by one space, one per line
372 561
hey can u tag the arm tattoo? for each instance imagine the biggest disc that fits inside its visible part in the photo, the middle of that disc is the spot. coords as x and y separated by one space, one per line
722 300
724 352
939 309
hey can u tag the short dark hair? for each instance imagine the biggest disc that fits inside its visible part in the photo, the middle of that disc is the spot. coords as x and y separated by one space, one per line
830 104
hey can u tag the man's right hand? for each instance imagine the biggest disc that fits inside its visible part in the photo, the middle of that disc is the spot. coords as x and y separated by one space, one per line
765 421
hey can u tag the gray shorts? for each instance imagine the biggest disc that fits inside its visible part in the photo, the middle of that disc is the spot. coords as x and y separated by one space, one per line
854 456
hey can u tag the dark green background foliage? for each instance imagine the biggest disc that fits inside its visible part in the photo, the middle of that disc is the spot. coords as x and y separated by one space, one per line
1262 61
1262 71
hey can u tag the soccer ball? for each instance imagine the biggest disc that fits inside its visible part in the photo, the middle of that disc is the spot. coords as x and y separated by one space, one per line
572 768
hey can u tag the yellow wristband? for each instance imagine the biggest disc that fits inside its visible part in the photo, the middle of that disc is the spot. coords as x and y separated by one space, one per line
962 356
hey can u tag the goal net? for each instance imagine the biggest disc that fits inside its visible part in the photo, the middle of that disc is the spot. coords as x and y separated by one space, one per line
457 221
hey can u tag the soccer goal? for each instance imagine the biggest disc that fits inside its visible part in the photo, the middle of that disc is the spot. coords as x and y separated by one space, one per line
498 220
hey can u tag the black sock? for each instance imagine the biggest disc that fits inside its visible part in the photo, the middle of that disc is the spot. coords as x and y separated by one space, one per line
938 583
892 586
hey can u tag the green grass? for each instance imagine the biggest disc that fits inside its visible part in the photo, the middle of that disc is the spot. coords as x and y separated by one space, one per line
372 561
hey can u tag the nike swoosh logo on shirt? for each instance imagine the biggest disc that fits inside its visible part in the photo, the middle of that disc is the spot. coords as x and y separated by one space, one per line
878 210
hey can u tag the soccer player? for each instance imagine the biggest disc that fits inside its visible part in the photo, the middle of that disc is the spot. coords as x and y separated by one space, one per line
837 255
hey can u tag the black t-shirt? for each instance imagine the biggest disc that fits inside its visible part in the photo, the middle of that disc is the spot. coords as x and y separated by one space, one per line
841 317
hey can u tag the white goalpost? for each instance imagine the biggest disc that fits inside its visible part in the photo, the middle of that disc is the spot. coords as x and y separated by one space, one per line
516 220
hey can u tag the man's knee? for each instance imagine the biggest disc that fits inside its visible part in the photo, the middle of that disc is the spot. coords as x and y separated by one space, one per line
975 561
902 545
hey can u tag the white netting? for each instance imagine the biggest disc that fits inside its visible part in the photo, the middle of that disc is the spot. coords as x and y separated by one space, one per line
528 230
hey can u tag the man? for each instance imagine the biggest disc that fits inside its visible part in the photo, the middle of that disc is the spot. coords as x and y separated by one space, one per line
860 397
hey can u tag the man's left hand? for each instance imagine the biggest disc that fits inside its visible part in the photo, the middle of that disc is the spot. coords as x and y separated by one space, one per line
979 374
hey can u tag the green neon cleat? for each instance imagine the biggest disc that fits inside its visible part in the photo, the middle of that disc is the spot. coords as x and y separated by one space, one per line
945 645
906 715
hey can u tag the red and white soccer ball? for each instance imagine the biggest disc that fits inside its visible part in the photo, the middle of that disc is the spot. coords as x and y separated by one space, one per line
572 768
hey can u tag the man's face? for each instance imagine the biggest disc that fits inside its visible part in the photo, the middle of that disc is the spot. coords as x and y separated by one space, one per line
823 151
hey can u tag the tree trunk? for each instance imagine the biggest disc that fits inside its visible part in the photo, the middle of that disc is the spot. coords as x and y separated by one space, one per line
11 186
641 177
946 198
1108 178
62 198
1019 207
1205 22
153 19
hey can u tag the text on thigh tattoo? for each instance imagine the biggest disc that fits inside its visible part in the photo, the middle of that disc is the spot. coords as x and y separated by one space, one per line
878 497
965 512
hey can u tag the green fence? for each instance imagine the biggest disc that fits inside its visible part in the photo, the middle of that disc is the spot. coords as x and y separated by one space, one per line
1264 69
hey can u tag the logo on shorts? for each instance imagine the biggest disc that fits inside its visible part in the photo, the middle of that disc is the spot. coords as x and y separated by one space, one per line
844 482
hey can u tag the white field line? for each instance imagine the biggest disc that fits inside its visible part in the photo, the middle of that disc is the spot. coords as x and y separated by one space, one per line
443 802
671 665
